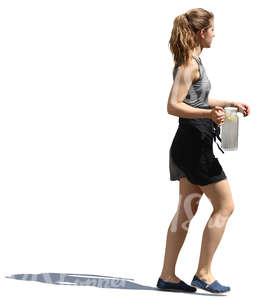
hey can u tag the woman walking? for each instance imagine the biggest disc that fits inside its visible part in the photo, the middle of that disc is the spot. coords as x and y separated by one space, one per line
191 158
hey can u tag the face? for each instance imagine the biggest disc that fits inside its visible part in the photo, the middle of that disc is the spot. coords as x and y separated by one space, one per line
207 36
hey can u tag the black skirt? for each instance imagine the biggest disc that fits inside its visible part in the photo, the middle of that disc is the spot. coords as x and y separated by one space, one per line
191 152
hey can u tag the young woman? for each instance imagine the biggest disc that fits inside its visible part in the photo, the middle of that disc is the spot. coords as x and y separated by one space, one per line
191 158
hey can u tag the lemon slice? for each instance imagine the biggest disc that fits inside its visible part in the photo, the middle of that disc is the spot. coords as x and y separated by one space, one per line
232 118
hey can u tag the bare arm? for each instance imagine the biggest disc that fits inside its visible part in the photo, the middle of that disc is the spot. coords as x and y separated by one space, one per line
182 82
222 103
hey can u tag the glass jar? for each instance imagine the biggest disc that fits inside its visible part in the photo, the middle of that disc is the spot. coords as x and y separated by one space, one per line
230 129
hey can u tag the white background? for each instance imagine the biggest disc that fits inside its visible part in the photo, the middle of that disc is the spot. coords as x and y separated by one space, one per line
85 135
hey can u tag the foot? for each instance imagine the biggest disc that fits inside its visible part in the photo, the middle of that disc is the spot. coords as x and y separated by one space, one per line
214 287
208 278
175 286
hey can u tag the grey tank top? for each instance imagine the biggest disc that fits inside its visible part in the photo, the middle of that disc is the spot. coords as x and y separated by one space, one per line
197 95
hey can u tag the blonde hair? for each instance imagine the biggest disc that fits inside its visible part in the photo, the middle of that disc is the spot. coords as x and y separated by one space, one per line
184 37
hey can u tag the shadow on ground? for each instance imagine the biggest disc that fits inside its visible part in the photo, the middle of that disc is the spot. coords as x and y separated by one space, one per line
99 281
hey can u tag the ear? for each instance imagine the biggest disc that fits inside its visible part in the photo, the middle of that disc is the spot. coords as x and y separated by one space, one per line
202 32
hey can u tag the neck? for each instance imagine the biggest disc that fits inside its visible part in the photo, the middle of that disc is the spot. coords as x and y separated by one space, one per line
197 51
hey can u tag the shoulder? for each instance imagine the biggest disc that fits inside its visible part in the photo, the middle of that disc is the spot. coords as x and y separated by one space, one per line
190 70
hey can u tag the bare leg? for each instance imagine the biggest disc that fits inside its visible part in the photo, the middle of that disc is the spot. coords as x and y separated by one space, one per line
188 204
221 198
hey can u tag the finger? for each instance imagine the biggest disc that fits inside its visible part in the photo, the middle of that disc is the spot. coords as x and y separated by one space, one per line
221 115
246 106
220 112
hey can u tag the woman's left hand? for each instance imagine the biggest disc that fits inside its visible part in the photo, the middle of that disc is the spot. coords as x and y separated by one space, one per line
242 107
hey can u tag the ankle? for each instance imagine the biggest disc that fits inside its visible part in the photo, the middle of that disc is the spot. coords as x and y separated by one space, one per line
169 277
203 272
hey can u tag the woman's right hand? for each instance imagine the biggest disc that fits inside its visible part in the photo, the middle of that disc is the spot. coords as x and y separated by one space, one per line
217 115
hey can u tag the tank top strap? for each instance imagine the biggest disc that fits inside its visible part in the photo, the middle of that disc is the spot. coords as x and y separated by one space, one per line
197 59
200 65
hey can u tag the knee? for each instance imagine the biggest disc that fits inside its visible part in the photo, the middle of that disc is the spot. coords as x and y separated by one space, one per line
182 219
194 211
230 208
226 210
190 211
